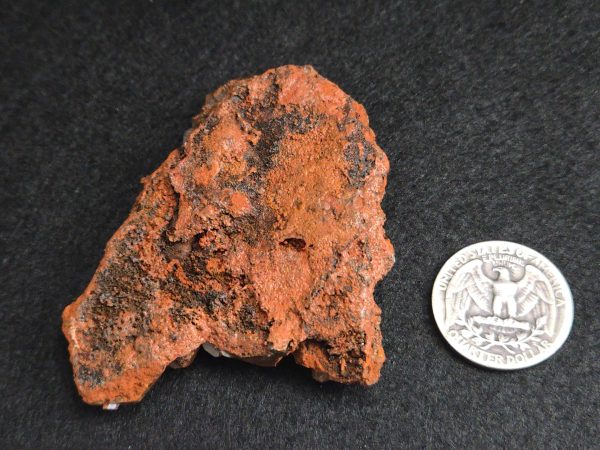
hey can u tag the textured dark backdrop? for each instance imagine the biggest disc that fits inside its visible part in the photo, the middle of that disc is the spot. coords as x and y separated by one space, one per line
491 120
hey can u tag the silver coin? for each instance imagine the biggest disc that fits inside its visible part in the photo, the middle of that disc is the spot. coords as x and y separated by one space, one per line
502 305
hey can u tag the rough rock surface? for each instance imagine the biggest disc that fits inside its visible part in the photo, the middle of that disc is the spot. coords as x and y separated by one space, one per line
261 236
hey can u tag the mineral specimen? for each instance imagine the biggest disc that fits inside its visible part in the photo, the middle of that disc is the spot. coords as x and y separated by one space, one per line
262 236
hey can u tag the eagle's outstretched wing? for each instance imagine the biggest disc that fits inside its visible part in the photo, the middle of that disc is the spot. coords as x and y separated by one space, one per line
535 294
468 284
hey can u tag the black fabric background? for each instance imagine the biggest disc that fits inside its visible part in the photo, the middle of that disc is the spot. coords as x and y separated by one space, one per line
490 116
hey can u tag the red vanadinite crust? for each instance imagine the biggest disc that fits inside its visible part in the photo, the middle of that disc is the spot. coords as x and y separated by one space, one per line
262 236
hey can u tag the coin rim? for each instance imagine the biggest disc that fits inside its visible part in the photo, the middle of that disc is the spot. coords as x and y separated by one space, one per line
556 344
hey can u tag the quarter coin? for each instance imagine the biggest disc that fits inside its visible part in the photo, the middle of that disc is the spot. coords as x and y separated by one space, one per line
502 305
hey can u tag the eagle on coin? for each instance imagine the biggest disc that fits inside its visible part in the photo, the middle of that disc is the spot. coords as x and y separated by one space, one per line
502 299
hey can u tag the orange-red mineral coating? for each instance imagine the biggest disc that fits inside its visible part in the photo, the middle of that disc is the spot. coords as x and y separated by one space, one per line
263 236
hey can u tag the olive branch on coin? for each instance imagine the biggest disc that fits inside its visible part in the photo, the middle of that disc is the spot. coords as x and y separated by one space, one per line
486 341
